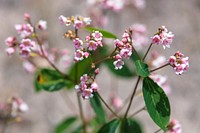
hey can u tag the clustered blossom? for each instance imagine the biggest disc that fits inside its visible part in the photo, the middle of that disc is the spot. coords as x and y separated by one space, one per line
179 62
139 35
93 41
174 127
77 21
13 107
25 47
123 49
24 30
162 81
87 85
163 37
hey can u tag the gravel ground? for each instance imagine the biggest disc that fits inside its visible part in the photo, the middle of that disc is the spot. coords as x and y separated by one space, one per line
47 109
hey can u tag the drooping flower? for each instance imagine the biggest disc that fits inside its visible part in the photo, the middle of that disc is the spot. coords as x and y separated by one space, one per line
179 62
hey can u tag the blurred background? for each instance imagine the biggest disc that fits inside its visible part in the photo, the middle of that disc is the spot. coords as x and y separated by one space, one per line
46 110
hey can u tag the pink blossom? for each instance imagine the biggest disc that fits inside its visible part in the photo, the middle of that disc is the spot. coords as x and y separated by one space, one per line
42 25
179 62
118 64
125 53
96 72
118 43
174 127
78 24
97 36
157 60
10 41
10 50
78 43
64 20
92 45
163 37
86 54
24 30
116 102
139 4
78 55
94 87
26 17
29 67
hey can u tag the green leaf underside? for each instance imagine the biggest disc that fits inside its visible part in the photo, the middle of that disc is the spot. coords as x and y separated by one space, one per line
106 34
49 80
157 103
132 126
142 68
98 109
109 127
64 127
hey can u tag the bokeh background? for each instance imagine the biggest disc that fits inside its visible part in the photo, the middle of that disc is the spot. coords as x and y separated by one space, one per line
48 109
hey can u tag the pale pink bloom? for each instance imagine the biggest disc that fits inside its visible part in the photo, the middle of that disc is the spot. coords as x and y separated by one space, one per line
118 64
87 38
87 93
138 28
118 43
29 67
78 55
139 4
10 50
97 36
64 20
117 56
10 41
42 25
163 37
157 60
86 54
116 102
162 81
24 30
92 45
174 127
96 72
78 24
179 63
125 53
87 20
26 16
25 52
94 87
84 78
78 43
27 43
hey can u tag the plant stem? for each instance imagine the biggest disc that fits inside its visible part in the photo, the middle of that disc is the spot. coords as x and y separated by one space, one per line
158 130
147 51
159 67
107 105
135 113
132 96
106 58
81 113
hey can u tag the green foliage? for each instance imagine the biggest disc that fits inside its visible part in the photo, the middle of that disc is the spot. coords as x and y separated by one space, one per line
106 34
157 103
49 80
65 126
142 68
131 126
109 127
98 109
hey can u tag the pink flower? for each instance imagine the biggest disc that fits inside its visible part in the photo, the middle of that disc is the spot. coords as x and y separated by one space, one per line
42 25
92 45
78 24
97 36
157 60
116 102
163 37
94 87
174 127
118 43
125 53
29 67
10 41
139 4
24 30
78 43
26 17
64 20
78 55
10 50
118 64
179 62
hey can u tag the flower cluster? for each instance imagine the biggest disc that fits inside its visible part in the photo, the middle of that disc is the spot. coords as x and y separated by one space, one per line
88 85
77 21
13 107
174 127
93 41
26 33
123 50
139 38
163 37
179 62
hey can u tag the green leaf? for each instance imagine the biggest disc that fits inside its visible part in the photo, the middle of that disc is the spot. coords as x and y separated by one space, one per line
142 68
105 33
98 109
132 126
109 127
157 103
49 80
64 127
